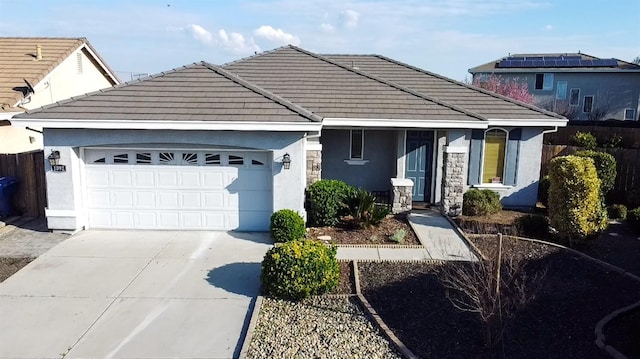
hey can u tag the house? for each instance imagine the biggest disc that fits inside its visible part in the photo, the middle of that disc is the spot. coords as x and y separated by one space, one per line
576 85
208 147
39 71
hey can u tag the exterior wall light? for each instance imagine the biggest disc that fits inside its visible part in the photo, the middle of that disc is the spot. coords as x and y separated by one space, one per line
286 161
54 161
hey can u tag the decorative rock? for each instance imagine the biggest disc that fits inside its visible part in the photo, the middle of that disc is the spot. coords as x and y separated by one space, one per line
325 239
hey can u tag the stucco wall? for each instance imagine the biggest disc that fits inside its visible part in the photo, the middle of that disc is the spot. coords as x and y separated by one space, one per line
62 83
525 192
64 189
379 151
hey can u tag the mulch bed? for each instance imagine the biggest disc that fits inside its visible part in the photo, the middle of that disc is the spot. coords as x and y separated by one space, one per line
558 323
372 235
346 285
8 266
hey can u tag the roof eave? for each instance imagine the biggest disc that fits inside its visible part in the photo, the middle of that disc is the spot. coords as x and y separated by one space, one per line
519 122
337 122
168 125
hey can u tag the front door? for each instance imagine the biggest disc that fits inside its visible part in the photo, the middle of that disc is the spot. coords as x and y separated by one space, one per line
418 163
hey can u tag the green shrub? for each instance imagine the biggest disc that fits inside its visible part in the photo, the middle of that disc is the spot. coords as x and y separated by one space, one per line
614 141
361 206
297 269
287 225
533 225
398 236
584 139
633 218
617 211
543 190
324 202
632 198
605 168
575 206
480 202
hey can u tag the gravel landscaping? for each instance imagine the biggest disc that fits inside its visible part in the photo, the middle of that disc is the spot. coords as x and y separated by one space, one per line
372 235
319 327
558 323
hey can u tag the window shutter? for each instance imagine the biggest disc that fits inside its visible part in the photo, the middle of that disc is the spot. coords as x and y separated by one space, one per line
511 163
475 156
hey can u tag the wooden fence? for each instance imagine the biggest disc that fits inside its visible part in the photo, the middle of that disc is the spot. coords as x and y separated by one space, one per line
31 197
628 167
627 131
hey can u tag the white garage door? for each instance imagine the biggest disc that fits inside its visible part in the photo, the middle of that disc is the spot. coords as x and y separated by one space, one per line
178 189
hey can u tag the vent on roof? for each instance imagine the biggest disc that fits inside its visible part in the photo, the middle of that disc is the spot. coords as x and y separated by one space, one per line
38 52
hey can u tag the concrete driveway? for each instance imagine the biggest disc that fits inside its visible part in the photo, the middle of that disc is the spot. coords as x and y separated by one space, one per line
134 294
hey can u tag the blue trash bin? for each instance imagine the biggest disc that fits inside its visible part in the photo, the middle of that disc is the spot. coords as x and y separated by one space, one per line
8 186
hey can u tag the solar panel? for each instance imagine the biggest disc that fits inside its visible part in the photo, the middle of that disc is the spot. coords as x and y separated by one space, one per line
554 61
562 63
586 63
573 62
573 57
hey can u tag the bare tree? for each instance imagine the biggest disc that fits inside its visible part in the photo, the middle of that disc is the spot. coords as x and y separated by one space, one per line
636 60
561 107
495 289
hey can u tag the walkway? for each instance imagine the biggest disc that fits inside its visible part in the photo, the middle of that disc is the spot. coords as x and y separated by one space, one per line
439 239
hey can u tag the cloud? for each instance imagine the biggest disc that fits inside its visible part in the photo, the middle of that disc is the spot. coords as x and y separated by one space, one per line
349 19
548 27
276 35
201 34
236 43
327 28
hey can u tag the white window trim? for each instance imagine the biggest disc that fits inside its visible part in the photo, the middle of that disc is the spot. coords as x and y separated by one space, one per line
584 102
361 158
633 114
578 97
493 186
504 164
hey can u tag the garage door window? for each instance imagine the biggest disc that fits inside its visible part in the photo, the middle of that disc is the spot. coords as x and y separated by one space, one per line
212 159
166 158
121 158
143 158
236 160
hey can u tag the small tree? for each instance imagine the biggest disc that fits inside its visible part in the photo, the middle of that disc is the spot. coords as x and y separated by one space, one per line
495 289
512 88
605 165
575 207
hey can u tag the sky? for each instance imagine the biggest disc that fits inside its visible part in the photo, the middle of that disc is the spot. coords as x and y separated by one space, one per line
443 36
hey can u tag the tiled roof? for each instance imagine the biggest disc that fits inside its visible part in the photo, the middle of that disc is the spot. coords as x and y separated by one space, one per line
198 92
492 65
18 63
484 103
334 90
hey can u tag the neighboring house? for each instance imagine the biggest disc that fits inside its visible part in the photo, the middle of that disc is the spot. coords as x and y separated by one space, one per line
578 86
207 147
38 71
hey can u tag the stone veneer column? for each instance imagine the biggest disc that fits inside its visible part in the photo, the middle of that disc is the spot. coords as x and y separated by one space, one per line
402 195
314 166
453 181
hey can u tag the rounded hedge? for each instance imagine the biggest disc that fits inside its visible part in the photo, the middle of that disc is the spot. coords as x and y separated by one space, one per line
584 139
324 202
617 211
287 225
543 190
480 202
605 165
297 269
633 218
575 205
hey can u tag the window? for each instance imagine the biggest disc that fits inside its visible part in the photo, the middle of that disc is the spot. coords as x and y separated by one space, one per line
588 104
121 158
235 160
544 81
357 145
166 158
211 159
100 160
190 158
630 114
495 145
561 90
257 163
575 97
143 158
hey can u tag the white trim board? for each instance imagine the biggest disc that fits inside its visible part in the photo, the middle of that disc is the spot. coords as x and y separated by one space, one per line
169 125
401 123
527 122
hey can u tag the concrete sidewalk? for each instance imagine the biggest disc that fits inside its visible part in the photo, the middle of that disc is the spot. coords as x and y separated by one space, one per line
440 242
